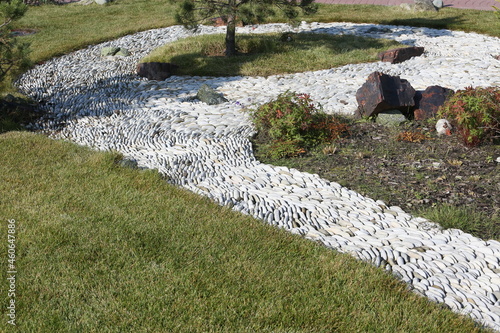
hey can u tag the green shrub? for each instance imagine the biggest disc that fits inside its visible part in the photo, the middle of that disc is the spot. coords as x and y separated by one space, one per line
13 54
475 113
293 124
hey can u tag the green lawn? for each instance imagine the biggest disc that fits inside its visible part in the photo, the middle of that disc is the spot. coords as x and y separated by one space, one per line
266 54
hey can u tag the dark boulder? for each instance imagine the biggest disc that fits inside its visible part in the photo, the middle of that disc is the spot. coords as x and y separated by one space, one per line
382 92
158 71
396 56
427 103
210 96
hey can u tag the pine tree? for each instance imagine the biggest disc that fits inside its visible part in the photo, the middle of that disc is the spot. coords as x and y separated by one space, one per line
13 54
193 12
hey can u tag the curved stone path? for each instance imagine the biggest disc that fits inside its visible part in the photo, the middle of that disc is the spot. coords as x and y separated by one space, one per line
100 102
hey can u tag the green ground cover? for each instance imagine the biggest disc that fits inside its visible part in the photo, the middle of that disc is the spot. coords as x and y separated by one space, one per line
267 54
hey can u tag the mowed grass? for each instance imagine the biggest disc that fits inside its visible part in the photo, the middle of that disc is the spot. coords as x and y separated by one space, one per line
267 54
101 248
480 21
63 29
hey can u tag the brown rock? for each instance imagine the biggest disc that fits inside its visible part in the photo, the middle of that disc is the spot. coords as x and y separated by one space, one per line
427 103
383 92
158 71
395 56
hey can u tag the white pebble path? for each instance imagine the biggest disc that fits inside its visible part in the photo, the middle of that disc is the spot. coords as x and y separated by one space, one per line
100 102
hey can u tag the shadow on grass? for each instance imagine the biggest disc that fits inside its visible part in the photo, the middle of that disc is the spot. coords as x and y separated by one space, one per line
433 23
267 54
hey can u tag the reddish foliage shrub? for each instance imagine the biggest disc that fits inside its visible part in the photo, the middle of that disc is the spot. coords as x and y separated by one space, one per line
410 136
475 113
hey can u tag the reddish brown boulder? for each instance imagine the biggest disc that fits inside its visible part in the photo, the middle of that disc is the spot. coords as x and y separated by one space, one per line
158 71
383 92
427 103
395 56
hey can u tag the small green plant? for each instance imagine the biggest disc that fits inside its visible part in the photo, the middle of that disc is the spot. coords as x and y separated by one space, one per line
13 54
293 123
475 113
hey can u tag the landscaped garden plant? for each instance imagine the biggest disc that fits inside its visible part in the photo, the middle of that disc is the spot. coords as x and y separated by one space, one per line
193 12
293 123
475 112
13 54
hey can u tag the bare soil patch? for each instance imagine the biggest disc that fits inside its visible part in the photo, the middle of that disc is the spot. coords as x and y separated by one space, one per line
416 176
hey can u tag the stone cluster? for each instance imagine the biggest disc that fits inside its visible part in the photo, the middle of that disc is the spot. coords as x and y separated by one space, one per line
384 94
102 103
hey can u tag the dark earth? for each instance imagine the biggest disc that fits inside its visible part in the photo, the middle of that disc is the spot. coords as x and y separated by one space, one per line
438 178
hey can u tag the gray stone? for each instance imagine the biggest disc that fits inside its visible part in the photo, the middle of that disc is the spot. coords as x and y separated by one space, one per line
406 6
424 5
122 52
390 118
438 4
128 163
208 95
109 51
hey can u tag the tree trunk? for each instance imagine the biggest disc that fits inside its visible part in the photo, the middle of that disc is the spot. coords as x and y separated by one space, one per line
231 36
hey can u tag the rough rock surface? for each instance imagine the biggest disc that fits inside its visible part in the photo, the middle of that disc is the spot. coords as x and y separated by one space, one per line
391 118
382 92
425 5
427 103
158 71
109 51
396 56
123 52
208 95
